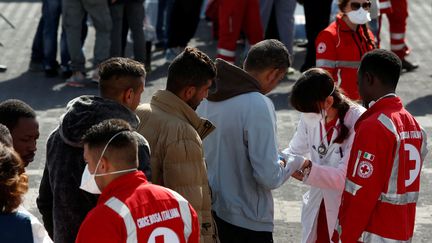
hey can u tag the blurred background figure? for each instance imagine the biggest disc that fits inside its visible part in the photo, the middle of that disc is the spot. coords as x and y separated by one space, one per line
235 17
162 23
128 15
397 14
317 15
16 223
340 47
74 12
284 13
184 20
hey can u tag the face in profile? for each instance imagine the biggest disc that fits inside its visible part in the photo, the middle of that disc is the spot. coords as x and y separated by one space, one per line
25 135
199 94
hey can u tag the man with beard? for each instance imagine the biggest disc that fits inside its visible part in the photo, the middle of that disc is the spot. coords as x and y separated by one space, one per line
175 132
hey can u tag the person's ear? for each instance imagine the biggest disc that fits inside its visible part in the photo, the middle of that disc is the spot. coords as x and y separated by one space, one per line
128 95
189 92
273 75
104 166
369 79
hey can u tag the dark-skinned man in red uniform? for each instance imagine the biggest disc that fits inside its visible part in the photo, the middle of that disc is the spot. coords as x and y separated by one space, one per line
383 174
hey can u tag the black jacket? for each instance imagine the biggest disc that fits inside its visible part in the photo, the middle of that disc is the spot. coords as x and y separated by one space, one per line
62 204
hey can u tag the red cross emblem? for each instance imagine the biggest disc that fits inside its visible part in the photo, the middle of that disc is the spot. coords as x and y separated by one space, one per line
365 169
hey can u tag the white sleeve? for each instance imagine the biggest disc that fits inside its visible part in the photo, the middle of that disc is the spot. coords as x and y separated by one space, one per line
328 177
299 143
40 235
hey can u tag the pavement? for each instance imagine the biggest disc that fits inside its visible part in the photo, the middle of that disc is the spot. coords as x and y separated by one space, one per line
49 96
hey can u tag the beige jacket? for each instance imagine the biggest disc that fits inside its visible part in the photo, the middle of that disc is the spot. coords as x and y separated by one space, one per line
175 132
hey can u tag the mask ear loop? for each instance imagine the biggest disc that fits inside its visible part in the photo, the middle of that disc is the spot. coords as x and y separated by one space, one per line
105 148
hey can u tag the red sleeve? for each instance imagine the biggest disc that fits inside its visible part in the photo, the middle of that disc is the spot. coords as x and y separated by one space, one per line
326 55
195 236
367 174
102 225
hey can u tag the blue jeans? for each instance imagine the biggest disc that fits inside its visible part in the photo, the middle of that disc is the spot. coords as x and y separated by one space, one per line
163 19
51 11
37 54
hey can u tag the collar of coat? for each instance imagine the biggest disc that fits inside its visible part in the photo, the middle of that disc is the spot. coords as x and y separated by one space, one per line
172 104
391 103
232 81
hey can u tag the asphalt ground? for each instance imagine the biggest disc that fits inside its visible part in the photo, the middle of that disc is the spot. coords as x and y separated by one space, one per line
49 96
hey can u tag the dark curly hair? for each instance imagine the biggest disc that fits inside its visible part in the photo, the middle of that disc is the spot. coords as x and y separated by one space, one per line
13 180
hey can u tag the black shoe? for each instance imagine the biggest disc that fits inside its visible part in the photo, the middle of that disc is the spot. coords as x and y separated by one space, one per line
51 72
408 66
36 66
3 68
66 72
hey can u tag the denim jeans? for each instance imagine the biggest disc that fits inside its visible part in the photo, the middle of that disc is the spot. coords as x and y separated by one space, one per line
37 54
51 10
284 11
163 19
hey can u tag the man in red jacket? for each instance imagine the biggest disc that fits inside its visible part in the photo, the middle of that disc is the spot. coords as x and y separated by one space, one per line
383 174
129 209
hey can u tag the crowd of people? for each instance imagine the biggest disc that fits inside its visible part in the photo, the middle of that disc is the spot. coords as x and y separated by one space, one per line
198 163
214 156
169 25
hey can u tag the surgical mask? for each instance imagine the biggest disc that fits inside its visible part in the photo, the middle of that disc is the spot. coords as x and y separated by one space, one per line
88 182
360 16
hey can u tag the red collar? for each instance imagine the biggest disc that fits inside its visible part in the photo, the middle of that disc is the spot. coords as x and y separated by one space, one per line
342 24
122 184
385 104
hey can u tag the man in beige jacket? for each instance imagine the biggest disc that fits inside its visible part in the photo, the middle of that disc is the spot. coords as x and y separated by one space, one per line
175 133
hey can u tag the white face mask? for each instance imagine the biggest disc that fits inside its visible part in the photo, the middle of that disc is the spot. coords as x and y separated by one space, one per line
88 182
359 16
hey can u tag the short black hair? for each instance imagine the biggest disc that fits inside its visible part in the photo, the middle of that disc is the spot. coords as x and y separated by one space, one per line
384 65
118 74
192 67
124 145
12 110
267 54
5 136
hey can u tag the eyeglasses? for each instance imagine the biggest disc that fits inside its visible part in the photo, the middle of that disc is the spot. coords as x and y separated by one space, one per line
356 5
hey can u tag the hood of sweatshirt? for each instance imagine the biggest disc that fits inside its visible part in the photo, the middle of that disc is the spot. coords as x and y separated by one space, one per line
232 81
86 111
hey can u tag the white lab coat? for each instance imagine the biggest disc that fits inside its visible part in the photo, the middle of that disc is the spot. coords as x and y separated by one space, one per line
327 177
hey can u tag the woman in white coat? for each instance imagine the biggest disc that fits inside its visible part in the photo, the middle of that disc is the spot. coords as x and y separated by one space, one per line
324 135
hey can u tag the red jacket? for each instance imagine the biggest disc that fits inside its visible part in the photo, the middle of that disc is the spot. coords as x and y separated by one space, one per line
339 50
383 175
151 213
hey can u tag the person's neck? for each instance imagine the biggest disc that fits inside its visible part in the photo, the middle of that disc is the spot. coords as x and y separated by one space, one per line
332 114
350 24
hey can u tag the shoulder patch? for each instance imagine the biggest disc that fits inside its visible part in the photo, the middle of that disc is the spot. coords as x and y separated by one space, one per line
365 169
321 48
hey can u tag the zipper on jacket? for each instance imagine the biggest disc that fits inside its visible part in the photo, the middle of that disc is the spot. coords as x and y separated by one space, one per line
353 35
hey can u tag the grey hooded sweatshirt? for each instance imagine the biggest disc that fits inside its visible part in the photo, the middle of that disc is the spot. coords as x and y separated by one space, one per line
61 202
